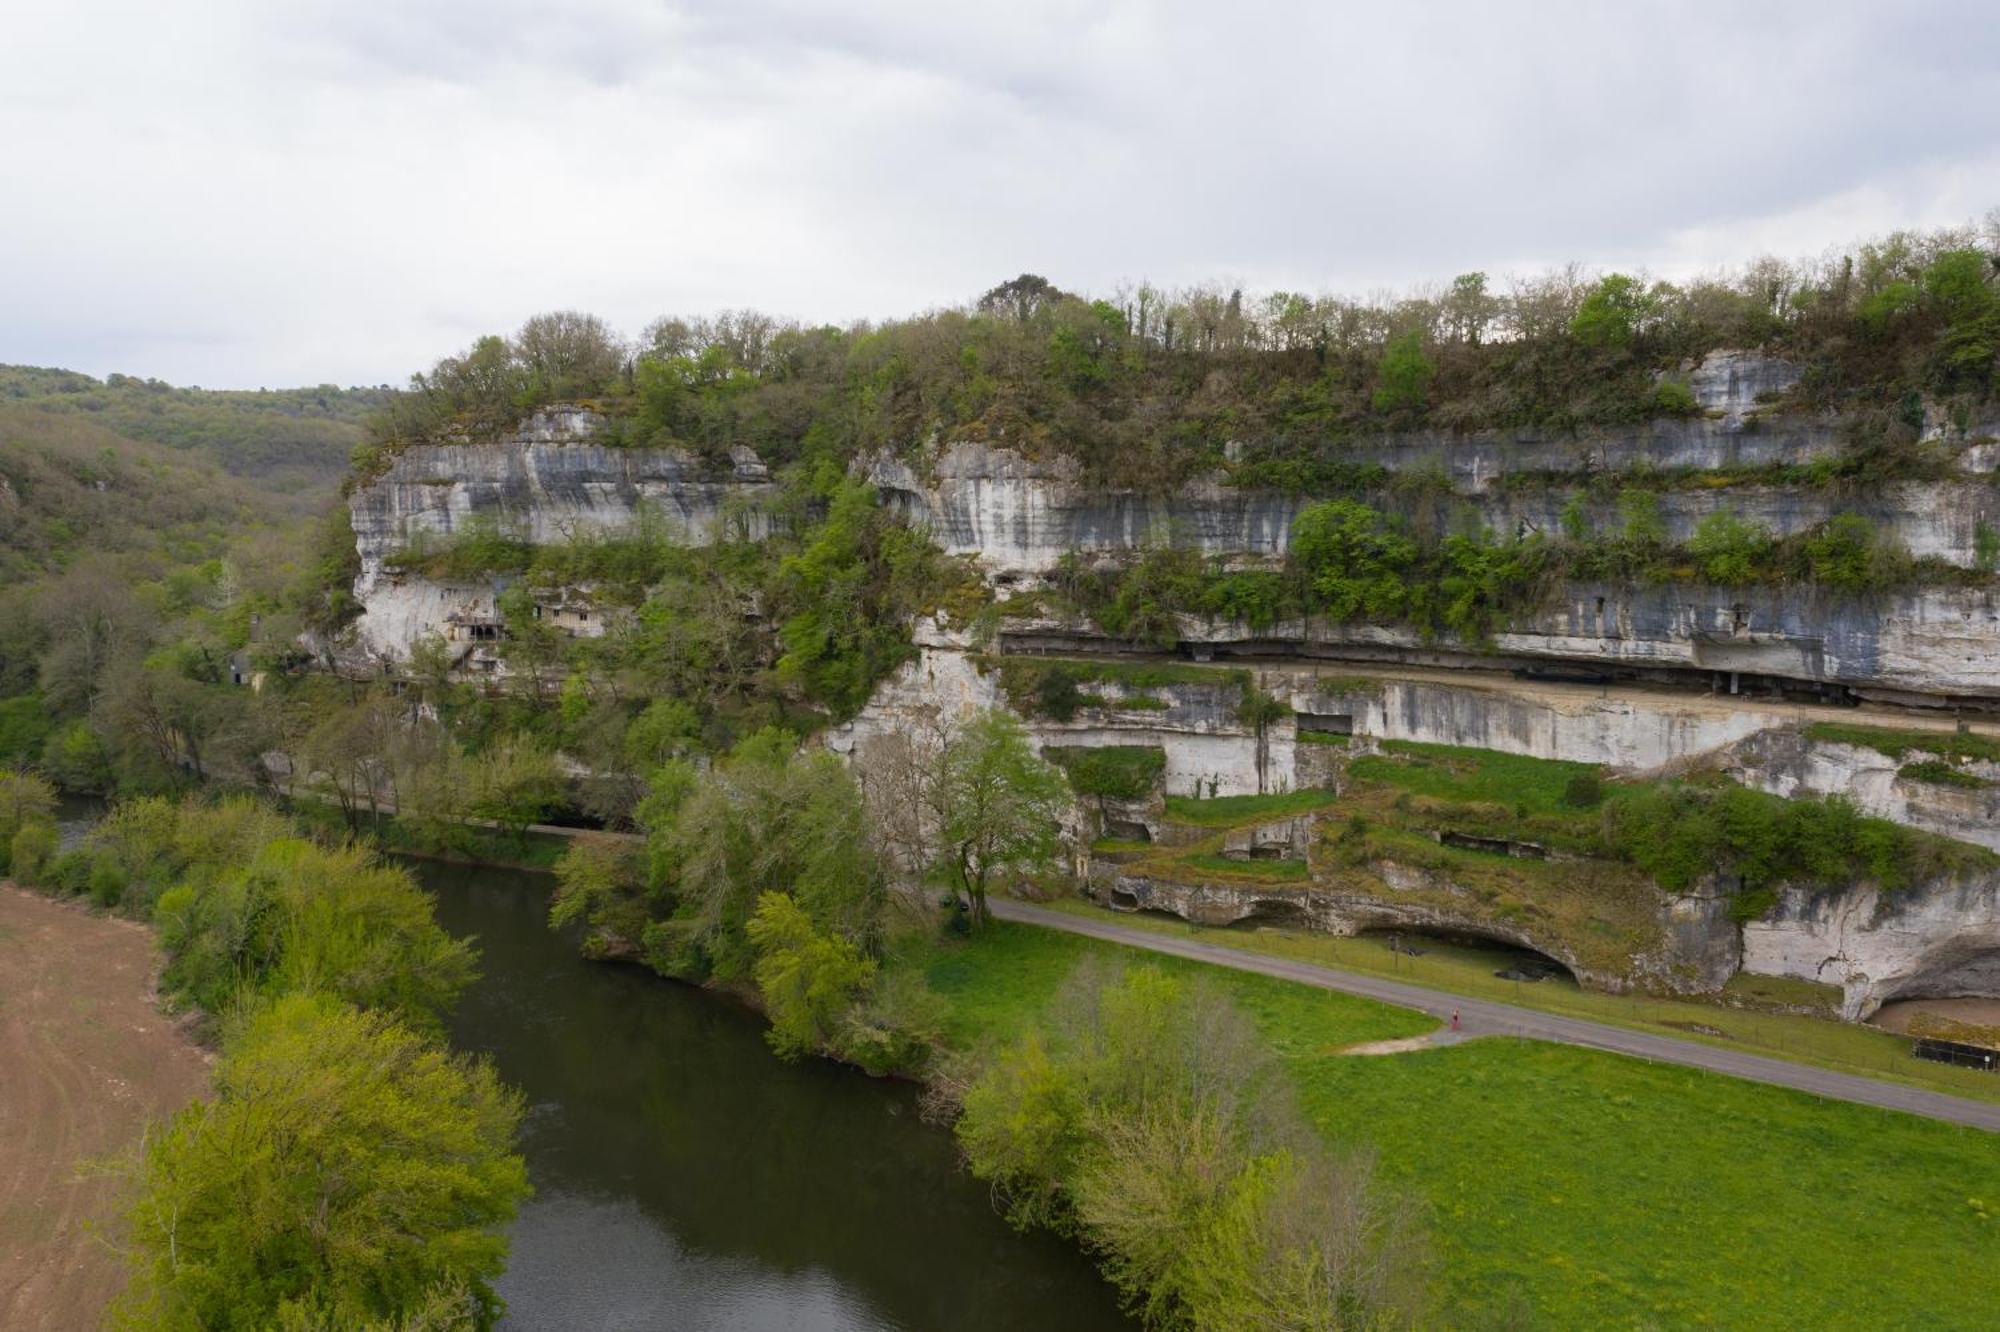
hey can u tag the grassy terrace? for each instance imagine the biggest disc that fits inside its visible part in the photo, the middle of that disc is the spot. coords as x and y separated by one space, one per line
1959 746
1570 1188
1233 811
1845 1046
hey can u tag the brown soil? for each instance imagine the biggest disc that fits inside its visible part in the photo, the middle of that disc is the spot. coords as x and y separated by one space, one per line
86 1060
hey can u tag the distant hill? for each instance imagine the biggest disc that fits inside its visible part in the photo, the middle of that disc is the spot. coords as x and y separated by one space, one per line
290 442
69 487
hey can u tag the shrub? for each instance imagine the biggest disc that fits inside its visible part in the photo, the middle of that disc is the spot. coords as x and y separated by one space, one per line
1116 772
295 916
344 1170
1583 791
1729 550
810 978
1674 398
24 799
1153 1121
1939 773
896 1028
33 846
68 873
106 881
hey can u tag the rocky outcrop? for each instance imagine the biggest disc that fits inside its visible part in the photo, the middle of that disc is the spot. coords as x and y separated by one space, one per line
1790 763
547 483
1939 939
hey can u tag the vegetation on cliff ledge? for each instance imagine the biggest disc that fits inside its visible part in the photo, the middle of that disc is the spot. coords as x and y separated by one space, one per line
1148 387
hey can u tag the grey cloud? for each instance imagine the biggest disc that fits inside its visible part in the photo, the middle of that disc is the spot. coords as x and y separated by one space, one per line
252 194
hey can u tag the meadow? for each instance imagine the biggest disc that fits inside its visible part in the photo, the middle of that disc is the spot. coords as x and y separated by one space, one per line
1573 1188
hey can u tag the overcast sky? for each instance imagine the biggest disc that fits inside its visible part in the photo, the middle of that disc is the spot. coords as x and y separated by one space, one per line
237 193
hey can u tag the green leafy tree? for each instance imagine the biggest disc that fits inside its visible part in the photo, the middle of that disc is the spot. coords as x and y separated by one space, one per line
342 1172
1355 560
1613 314
811 979
516 783
1001 804
291 915
26 800
766 818
1405 375
1730 550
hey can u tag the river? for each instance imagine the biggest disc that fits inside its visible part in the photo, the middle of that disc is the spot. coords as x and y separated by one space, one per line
687 1178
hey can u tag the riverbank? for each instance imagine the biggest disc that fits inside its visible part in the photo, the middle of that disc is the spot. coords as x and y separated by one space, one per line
89 1061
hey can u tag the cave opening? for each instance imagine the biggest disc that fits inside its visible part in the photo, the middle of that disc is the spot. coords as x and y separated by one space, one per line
1471 948
1127 830
1281 912
1956 993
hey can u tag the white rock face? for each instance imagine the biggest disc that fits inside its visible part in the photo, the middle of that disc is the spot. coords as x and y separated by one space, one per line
547 484
1787 763
1937 940
1734 383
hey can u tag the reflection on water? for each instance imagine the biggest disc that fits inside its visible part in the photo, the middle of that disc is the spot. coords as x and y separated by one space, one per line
686 1178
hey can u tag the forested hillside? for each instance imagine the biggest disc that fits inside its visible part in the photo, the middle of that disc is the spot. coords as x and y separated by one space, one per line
289 442
1147 387
70 487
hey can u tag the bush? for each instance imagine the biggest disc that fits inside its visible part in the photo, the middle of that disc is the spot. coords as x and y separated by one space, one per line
1115 772
1730 551
295 916
106 881
1674 398
68 873
809 978
33 847
344 1170
24 799
1153 1122
897 1027
1583 791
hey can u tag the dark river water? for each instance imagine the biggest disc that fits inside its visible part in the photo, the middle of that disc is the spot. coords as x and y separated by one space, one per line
686 1178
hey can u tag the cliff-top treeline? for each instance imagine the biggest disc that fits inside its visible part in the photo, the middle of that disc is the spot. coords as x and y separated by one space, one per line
1149 385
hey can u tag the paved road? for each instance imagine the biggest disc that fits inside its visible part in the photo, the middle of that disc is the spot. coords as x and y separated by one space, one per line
1486 1017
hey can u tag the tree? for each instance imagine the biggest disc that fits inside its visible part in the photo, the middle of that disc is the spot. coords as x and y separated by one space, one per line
1613 313
534 648
1731 551
515 783
1002 806
1146 1115
351 747
1021 298
810 978
1405 375
567 354
287 914
1469 308
1355 560
766 818
343 1171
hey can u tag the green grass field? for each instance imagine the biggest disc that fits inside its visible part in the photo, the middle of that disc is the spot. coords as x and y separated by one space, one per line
1228 811
1461 969
1447 772
1570 1188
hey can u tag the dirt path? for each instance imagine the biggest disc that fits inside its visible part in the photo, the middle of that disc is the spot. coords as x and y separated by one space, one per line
1485 1017
85 1061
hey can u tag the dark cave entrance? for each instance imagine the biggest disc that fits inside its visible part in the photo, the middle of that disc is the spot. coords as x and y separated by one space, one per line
1471 948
